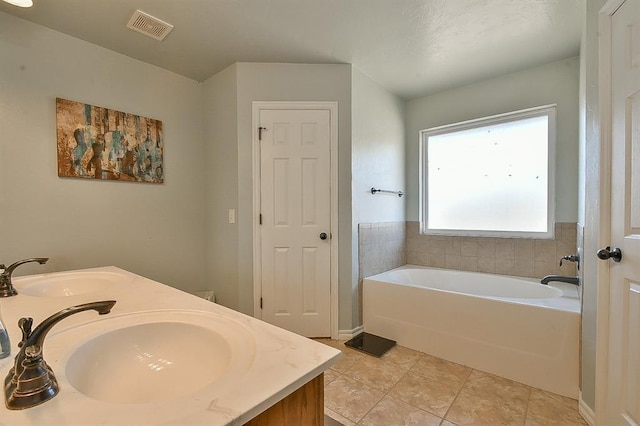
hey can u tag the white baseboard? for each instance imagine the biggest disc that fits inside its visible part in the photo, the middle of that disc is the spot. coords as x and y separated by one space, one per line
585 411
350 334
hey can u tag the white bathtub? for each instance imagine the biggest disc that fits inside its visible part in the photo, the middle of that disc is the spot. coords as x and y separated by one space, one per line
512 327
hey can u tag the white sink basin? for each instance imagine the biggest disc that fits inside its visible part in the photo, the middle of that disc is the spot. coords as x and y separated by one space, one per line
155 356
67 284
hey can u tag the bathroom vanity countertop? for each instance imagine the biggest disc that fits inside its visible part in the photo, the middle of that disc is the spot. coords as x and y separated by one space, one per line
282 361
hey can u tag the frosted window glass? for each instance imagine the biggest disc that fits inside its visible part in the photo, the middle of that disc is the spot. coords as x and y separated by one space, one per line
489 178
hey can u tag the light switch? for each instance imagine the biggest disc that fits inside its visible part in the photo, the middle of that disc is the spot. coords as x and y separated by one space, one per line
232 215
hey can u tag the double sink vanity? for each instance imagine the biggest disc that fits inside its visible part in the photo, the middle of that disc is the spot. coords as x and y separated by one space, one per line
160 356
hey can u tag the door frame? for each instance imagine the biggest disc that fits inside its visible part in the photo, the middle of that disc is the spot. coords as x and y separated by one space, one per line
603 280
332 107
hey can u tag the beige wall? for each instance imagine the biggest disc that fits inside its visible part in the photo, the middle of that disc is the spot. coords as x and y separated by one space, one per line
221 194
378 151
293 82
269 82
153 230
378 160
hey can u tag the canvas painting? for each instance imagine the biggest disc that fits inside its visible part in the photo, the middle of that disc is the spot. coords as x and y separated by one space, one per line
100 143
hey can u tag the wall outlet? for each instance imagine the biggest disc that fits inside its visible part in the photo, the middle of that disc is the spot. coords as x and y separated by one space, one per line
232 215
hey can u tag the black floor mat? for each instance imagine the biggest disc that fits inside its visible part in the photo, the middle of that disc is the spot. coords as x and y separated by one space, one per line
371 344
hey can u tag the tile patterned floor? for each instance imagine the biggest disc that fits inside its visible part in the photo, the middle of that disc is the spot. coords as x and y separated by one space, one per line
407 387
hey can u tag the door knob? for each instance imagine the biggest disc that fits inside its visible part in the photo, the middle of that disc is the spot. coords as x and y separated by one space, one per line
323 236
608 253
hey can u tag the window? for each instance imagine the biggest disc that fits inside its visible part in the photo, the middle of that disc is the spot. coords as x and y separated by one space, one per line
490 177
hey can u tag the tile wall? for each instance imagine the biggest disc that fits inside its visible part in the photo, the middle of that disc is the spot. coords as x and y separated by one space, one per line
381 247
384 246
506 256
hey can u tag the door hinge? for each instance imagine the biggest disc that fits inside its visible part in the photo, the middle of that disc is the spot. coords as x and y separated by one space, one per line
260 129
260 219
261 303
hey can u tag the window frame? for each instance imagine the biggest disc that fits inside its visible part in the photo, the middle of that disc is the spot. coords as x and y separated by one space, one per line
546 110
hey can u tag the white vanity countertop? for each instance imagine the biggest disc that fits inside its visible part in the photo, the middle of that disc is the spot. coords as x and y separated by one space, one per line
281 363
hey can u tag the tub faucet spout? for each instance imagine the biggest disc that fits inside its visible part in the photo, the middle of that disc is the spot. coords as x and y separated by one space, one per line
560 278
6 287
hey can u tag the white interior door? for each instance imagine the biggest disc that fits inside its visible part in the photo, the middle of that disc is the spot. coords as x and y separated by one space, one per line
623 393
295 204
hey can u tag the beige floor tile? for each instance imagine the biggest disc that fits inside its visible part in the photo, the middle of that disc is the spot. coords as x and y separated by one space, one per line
329 376
390 411
549 408
349 356
536 421
347 362
403 357
338 344
337 417
441 370
427 388
425 393
330 421
376 373
491 400
350 398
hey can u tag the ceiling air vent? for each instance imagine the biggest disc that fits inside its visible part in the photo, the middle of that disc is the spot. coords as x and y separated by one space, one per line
149 25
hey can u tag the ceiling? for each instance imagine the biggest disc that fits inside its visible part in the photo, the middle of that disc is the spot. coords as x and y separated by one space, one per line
411 47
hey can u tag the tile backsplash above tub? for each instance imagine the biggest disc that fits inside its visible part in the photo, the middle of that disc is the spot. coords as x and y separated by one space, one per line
384 246
381 247
506 256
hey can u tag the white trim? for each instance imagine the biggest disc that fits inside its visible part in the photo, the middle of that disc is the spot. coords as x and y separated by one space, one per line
257 241
350 334
585 411
550 111
604 95
332 107
492 119
604 227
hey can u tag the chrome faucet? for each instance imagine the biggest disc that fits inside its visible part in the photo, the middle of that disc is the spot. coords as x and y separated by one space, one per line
560 278
6 287
31 381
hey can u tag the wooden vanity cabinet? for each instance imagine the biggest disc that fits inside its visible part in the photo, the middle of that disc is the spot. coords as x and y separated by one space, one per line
305 406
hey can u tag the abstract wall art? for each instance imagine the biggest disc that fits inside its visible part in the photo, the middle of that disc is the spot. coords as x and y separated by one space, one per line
100 143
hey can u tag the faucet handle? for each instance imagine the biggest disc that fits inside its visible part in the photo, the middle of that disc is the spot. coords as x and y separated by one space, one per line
25 325
570 258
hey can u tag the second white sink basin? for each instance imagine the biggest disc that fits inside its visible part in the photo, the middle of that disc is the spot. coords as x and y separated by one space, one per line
68 284
155 356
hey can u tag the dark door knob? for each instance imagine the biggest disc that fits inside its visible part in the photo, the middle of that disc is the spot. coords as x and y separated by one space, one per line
323 236
607 253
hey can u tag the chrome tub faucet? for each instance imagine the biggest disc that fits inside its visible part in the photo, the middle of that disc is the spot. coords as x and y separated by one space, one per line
31 381
6 287
560 278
